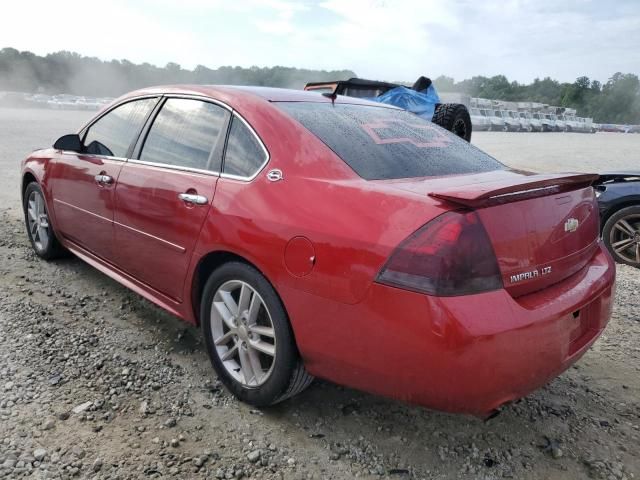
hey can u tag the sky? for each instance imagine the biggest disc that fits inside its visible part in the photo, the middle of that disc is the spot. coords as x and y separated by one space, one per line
379 39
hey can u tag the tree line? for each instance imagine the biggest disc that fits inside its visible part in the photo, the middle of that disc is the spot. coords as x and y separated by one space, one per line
616 101
69 72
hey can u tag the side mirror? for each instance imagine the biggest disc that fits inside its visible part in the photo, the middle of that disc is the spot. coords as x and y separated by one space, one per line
69 142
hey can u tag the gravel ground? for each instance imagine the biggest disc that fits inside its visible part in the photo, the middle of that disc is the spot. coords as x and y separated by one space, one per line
95 382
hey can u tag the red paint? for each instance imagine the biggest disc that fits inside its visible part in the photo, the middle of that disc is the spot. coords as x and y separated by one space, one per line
155 232
84 209
299 256
463 354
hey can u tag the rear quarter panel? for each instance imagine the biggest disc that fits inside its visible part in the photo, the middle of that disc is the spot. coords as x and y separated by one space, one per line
352 224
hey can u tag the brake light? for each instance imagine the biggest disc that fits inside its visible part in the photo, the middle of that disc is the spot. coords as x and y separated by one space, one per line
450 255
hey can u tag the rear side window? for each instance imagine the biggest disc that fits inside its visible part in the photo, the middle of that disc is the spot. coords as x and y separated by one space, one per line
244 155
381 143
113 133
185 133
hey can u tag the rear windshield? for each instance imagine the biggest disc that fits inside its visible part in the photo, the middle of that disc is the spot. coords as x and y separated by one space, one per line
384 143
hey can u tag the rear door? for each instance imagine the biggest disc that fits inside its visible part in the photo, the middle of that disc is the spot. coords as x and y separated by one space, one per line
83 184
164 193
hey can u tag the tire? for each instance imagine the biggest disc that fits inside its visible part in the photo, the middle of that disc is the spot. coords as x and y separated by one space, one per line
455 118
282 375
39 229
612 235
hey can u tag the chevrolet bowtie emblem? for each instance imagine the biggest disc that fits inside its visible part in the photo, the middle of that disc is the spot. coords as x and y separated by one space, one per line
571 225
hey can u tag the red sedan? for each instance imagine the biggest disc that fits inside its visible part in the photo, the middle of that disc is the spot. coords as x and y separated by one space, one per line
326 236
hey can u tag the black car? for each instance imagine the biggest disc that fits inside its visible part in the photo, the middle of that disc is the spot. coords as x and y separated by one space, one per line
619 201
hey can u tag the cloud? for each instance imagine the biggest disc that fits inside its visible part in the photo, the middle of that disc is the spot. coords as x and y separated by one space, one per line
280 18
392 40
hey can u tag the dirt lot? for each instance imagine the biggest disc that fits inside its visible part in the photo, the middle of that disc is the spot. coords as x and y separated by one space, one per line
97 383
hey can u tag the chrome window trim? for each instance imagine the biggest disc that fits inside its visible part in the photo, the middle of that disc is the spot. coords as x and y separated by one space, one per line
90 123
260 142
194 96
174 167
93 155
82 133
169 96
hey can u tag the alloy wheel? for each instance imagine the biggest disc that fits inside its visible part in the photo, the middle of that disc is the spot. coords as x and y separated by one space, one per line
625 238
38 221
243 333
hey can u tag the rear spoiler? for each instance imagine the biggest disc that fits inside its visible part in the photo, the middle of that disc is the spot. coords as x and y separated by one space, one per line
322 86
619 176
480 195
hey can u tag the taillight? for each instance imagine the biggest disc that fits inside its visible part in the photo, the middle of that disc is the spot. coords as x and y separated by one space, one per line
450 255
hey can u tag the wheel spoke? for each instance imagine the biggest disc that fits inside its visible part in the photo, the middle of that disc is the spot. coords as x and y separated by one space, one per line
256 366
638 252
34 230
225 314
622 244
224 339
44 236
39 205
264 347
625 227
230 353
263 331
245 365
254 309
245 297
32 212
229 302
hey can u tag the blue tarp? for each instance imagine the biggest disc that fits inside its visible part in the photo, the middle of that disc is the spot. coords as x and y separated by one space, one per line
422 103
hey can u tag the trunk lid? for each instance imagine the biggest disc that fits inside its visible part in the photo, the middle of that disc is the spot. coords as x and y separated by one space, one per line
543 228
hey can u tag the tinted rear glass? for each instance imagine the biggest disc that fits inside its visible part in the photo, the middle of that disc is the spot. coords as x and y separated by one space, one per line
244 155
383 143
184 133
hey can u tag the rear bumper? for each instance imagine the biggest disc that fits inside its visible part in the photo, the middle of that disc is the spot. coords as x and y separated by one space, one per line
466 354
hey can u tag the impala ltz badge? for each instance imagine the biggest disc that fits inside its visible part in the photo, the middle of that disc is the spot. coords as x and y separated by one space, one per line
571 225
518 277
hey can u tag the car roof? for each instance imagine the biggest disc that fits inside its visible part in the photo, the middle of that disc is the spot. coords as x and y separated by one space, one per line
233 93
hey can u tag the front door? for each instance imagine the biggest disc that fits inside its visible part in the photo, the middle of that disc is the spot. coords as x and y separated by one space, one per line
83 184
164 195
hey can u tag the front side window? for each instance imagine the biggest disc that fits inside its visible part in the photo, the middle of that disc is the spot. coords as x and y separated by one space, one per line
113 133
244 154
185 133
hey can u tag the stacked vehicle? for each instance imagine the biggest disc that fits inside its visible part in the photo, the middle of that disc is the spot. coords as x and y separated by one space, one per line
496 115
479 119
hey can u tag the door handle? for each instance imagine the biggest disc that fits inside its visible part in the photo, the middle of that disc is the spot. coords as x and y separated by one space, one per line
103 179
193 198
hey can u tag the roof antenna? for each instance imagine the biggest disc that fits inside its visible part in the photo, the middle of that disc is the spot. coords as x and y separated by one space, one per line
332 95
